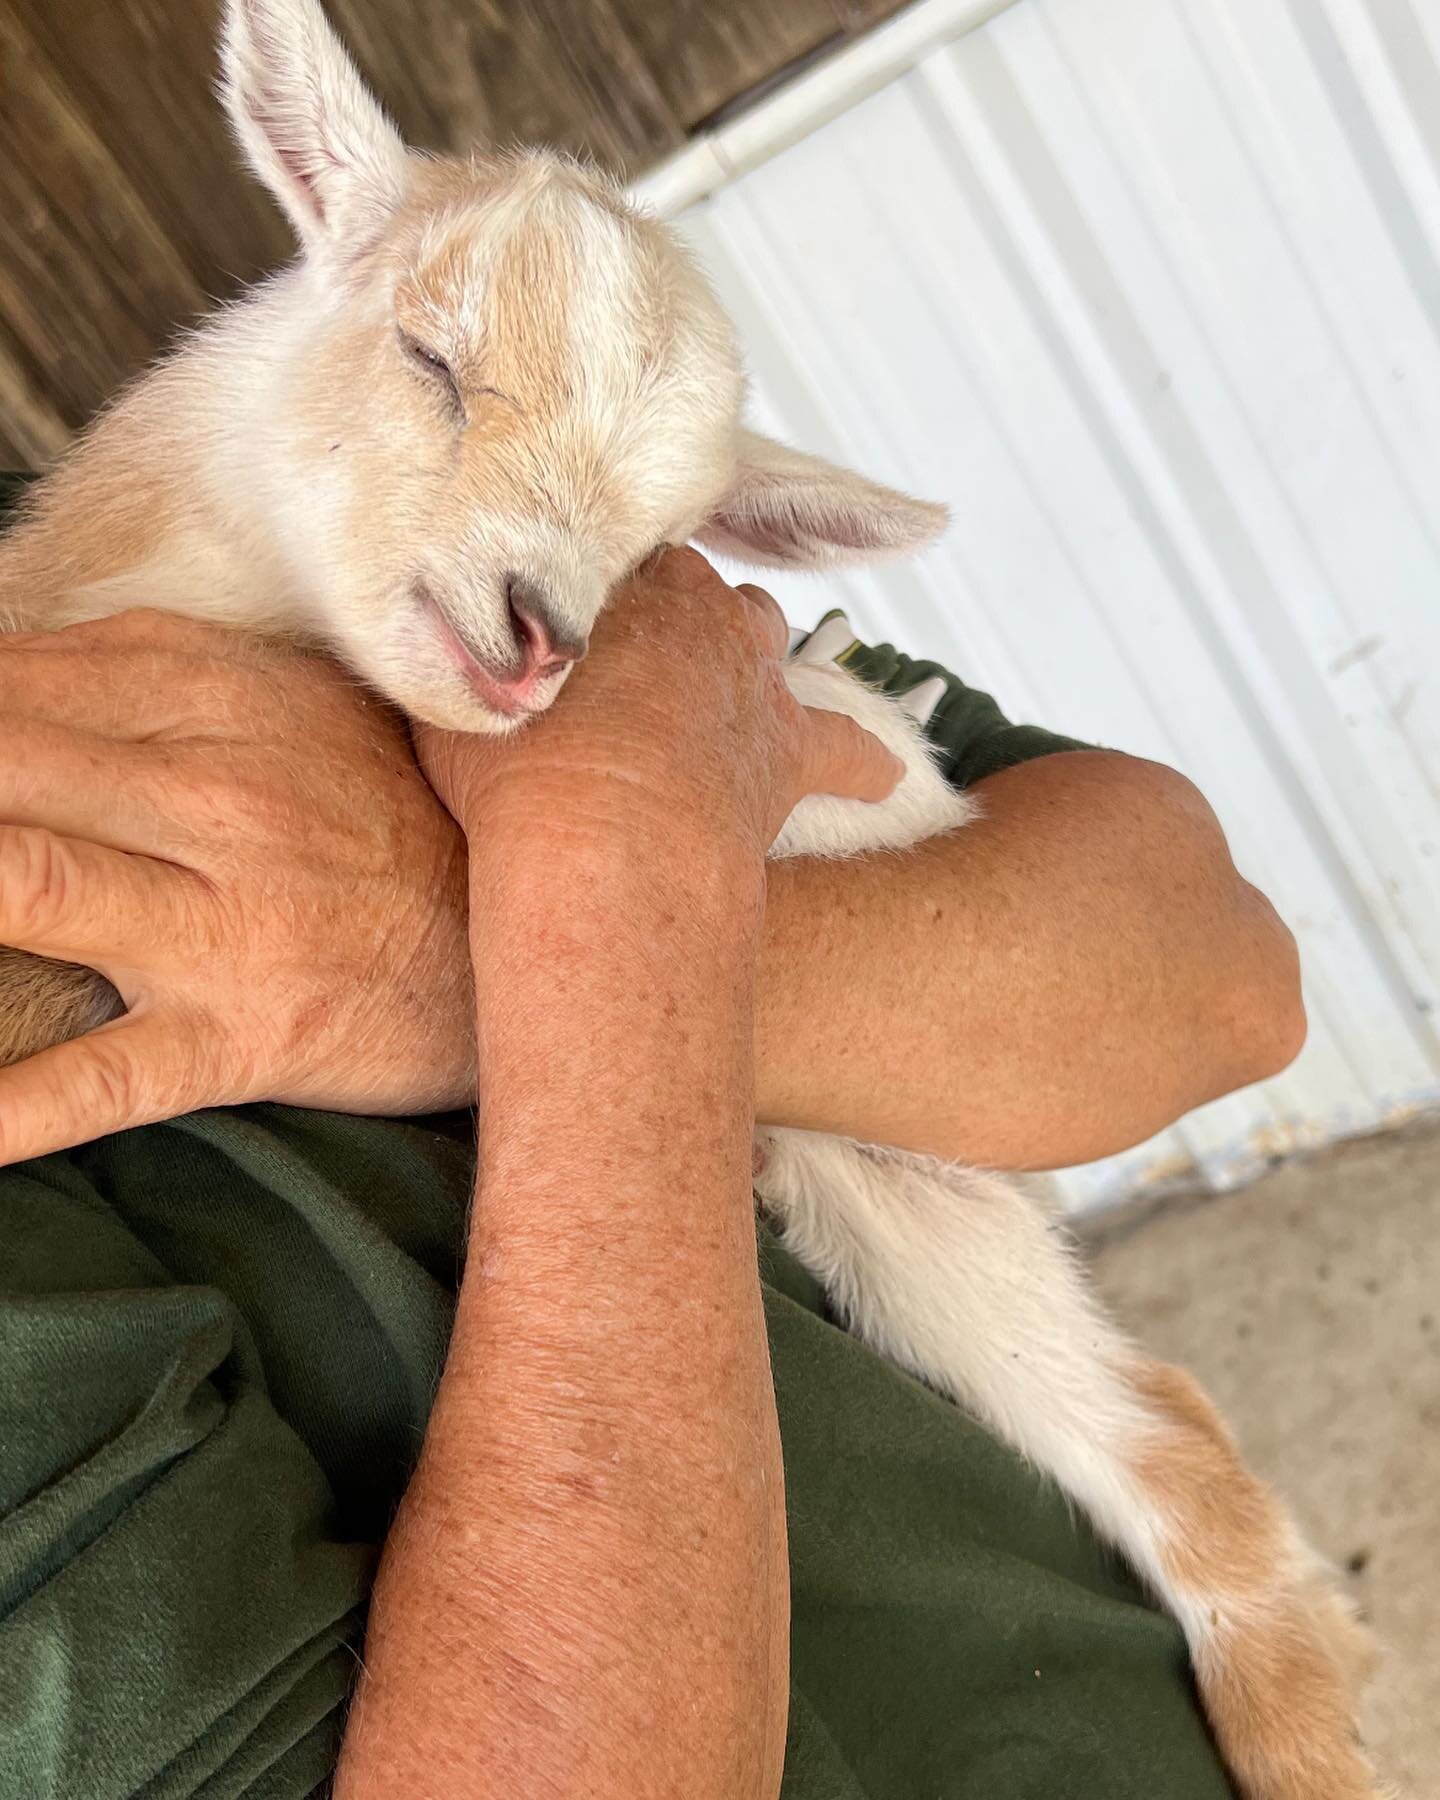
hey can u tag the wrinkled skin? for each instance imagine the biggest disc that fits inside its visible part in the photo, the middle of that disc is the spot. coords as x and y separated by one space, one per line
293 927
284 926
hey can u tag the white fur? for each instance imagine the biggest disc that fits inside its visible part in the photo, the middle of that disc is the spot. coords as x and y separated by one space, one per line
923 805
317 480
293 468
311 129
953 1273
966 1281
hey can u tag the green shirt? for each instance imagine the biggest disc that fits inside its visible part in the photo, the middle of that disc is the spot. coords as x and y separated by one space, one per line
219 1340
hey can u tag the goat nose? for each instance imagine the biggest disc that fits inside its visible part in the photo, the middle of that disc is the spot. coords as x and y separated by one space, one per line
546 644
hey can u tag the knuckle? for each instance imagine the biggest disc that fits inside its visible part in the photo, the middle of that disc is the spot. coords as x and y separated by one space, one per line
140 620
682 570
39 880
217 799
261 810
684 559
151 624
13 641
137 627
111 1084
159 636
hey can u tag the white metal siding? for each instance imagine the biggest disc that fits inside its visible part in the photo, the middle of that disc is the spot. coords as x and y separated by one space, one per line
1149 292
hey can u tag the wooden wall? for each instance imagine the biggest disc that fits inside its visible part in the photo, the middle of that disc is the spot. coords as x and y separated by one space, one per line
124 212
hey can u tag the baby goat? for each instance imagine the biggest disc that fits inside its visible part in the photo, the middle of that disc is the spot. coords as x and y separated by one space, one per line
486 390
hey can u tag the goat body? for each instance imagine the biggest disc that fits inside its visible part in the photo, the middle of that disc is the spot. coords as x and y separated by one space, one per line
486 390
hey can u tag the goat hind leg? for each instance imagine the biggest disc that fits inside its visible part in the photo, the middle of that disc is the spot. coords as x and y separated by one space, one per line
1279 1655
966 1281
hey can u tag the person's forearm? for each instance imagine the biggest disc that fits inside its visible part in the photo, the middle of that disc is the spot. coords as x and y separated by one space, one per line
585 1591
1053 983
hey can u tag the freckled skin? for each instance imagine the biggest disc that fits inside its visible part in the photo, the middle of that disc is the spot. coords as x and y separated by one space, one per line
493 370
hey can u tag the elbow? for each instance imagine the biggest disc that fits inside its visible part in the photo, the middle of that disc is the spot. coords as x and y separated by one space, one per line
1243 956
1273 1042
1265 1018
1290 1026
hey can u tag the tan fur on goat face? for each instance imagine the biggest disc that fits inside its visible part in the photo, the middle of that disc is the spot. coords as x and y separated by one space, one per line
596 404
599 395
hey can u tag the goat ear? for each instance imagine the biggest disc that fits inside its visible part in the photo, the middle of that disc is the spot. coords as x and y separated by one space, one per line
790 510
311 129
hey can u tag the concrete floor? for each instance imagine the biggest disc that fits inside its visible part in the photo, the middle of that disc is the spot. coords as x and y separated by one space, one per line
1309 1304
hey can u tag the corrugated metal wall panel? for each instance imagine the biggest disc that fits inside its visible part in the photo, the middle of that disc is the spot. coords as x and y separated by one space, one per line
1150 292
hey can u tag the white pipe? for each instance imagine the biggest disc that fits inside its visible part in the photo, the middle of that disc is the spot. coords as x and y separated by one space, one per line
716 157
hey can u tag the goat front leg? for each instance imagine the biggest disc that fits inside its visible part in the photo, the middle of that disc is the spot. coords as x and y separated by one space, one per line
923 805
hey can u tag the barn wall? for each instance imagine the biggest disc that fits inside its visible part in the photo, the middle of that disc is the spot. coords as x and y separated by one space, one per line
1149 291
124 212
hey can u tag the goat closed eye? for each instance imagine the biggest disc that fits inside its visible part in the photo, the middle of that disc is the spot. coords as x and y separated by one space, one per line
431 363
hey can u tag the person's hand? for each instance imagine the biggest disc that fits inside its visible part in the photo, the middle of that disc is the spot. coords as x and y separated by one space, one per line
237 836
678 726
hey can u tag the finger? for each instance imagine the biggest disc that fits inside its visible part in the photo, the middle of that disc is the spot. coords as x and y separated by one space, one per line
133 1071
457 765
80 785
769 621
130 697
839 757
82 902
137 628
139 676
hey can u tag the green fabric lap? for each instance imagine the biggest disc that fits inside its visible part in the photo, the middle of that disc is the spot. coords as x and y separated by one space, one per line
194 1506
157 1524
219 1341
954 1632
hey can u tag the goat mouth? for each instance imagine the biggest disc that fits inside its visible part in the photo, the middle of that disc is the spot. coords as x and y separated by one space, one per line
496 687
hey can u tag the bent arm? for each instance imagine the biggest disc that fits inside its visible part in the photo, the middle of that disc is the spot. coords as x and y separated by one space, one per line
1052 984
